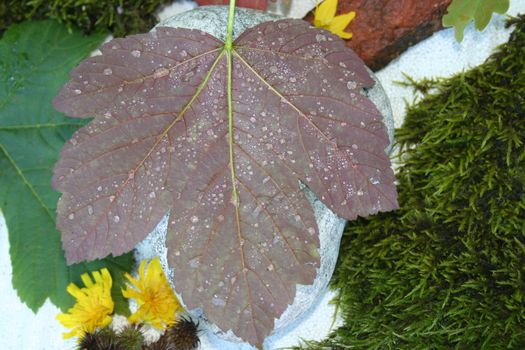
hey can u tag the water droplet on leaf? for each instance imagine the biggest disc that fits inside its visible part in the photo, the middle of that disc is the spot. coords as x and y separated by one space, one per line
320 37
351 85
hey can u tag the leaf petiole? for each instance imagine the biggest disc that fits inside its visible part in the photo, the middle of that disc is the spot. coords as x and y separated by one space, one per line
229 28
229 48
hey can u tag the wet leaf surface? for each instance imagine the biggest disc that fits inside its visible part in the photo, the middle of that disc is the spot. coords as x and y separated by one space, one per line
241 235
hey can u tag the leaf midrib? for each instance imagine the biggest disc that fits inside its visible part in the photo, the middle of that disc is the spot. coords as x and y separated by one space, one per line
37 126
47 210
26 181
32 190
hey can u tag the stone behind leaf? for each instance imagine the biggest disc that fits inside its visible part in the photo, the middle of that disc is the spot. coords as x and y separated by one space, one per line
212 19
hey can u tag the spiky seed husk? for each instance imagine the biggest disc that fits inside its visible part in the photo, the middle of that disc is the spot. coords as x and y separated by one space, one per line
104 339
183 335
131 338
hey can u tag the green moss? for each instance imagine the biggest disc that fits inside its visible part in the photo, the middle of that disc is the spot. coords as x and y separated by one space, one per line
117 16
447 270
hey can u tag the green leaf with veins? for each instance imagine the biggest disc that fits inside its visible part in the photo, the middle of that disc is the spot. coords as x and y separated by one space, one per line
461 12
34 60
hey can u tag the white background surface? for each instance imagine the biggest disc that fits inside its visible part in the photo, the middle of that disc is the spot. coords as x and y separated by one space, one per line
438 56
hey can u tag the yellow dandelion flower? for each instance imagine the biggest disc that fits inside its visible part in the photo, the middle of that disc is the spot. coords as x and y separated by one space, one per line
93 306
157 302
325 18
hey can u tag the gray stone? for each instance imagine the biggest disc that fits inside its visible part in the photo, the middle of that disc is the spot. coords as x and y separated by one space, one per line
212 19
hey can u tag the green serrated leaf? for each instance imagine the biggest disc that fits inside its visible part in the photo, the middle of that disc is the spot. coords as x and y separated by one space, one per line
34 60
461 12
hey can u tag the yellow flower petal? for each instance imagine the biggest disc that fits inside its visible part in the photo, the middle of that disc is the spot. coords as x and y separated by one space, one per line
325 18
142 269
133 294
93 307
74 291
87 280
132 280
339 23
325 12
344 35
71 335
157 302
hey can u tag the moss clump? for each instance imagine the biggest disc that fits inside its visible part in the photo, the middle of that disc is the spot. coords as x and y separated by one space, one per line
118 16
447 270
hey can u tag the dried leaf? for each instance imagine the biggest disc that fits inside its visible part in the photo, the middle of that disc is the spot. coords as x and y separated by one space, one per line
160 142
